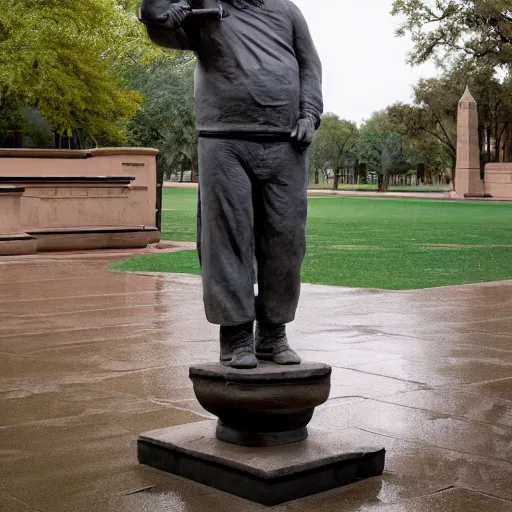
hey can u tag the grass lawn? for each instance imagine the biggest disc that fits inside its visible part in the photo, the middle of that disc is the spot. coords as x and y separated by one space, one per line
373 243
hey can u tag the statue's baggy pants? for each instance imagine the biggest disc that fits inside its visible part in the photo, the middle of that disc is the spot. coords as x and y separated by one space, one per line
253 202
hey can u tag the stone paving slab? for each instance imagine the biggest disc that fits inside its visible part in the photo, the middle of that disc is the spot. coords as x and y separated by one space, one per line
449 500
90 358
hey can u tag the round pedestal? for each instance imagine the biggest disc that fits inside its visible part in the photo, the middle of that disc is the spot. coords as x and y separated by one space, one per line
268 406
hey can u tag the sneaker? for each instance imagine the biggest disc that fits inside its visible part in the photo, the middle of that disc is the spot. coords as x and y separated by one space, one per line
272 345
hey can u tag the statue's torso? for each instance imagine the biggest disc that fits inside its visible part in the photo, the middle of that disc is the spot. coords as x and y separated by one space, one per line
247 76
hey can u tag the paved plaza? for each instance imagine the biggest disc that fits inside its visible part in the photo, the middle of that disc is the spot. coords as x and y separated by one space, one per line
91 358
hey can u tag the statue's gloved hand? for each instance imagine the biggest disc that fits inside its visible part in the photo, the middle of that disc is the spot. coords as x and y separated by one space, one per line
177 12
304 131
163 12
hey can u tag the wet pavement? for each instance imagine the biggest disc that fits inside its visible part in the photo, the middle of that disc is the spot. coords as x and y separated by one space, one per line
90 358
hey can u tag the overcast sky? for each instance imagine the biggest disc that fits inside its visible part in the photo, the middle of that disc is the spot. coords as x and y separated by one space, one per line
364 64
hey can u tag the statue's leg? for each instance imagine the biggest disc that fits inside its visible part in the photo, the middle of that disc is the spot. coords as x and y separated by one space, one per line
226 245
226 352
280 237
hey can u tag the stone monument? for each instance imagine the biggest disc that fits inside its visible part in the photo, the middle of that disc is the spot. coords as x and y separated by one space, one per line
258 94
468 182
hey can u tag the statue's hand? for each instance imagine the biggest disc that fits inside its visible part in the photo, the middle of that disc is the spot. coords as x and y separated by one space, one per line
304 131
176 14
160 12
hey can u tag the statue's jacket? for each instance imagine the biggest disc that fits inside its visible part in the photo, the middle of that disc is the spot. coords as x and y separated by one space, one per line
257 69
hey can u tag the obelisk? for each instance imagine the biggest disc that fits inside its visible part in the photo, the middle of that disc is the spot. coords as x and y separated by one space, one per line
467 174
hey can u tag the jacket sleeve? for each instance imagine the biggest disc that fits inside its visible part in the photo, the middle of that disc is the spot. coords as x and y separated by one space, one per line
154 14
310 67
174 39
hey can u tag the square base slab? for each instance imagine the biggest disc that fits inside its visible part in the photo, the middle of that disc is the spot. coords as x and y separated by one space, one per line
269 476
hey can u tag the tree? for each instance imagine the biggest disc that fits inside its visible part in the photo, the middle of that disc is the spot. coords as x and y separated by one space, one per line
381 148
474 29
332 142
391 159
369 149
371 139
62 58
433 114
319 157
424 121
166 117
426 152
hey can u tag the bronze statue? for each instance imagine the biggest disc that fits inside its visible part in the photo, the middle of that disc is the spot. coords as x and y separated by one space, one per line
258 94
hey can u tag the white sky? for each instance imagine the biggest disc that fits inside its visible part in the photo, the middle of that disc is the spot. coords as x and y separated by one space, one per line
364 64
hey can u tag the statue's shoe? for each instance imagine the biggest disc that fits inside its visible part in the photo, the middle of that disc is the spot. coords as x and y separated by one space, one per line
272 345
225 351
238 351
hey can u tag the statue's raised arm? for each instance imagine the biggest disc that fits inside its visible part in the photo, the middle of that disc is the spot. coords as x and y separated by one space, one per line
164 22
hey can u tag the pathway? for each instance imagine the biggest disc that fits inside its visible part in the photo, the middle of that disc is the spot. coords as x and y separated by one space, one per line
91 358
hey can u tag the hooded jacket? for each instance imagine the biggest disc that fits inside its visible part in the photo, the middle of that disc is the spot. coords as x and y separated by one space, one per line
257 69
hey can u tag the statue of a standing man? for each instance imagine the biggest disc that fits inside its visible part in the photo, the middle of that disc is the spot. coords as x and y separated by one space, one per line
258 95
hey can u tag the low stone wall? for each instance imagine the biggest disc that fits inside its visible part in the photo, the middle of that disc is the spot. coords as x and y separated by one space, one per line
498 180
100 198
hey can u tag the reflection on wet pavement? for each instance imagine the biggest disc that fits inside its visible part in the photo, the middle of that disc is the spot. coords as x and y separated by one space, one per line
90 358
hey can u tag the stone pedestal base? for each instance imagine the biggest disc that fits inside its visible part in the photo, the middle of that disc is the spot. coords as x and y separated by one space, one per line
268 406
468 183
248 438
269 476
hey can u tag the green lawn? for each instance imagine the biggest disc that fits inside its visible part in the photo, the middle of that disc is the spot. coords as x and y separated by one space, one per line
372 242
